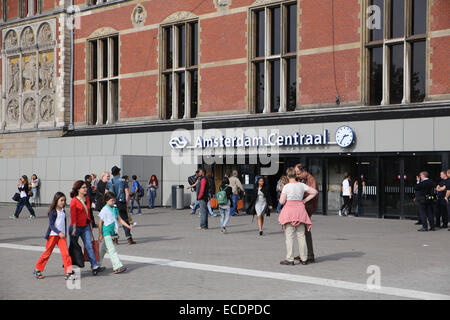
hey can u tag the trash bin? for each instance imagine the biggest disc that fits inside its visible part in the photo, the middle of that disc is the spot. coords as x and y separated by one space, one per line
180 197
174 196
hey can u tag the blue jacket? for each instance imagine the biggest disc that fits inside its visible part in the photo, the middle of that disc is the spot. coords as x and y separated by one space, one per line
52 219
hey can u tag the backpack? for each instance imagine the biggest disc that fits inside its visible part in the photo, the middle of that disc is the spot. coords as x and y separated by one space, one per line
221 196
191 180
140 191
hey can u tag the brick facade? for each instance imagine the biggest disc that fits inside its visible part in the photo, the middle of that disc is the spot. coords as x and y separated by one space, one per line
329 59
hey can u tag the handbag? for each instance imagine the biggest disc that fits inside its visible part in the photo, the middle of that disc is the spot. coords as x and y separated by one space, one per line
16 197
75 252
240 204
213 202
96 248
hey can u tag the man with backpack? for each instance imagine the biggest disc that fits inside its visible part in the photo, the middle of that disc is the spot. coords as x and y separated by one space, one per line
137 192
120 188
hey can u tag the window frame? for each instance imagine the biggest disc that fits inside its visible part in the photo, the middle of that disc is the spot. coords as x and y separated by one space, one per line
386 44
112 113
175 71
283 57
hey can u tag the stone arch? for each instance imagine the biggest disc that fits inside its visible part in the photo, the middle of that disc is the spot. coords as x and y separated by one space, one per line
102 32
27 38
180 16
11 39
45 33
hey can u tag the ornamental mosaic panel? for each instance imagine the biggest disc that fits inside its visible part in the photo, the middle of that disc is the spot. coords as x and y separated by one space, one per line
29 55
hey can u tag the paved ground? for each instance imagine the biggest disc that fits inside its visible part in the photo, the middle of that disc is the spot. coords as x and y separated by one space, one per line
173 260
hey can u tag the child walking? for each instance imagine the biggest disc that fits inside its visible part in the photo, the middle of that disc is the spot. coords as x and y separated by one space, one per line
56 235
108 228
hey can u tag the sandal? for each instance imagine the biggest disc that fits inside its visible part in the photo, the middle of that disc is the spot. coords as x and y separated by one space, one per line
70 276
287 263
38 274
120 270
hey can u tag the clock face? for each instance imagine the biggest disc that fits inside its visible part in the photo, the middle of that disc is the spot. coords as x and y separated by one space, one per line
344 136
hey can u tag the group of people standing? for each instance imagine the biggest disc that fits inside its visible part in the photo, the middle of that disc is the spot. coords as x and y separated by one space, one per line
110 198
298 200
433 201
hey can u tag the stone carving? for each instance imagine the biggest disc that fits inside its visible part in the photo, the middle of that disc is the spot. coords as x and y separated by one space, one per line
179 16
222 3
46 73
45 33
13 110
27 37
11 39
46 108
139 15
29 74
29 110
29 54
13 77
262 2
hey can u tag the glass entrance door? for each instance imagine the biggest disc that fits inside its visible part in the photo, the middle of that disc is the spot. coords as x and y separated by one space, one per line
365 187
316 168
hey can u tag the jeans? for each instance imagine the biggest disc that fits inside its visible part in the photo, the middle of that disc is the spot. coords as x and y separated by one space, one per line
151 198
196 205
86 237
124 215
279 206
211 212
224 216
203 214
135 198
107 245
234 201
33 198
23 202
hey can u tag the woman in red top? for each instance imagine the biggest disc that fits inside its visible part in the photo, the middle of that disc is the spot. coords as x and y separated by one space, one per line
80 221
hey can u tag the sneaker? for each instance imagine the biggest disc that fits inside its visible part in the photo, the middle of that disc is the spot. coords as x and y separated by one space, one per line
340 213
97 270
38 274
134 224
120 270
31 217
13 217
224 230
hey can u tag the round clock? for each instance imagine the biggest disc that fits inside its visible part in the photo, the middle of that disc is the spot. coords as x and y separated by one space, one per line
344 136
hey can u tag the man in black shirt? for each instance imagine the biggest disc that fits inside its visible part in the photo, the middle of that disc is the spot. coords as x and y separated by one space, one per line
424 197
441 203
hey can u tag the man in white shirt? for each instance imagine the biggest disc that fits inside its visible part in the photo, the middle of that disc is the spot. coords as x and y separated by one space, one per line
347 195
